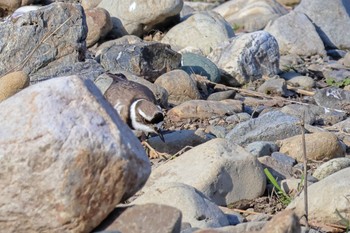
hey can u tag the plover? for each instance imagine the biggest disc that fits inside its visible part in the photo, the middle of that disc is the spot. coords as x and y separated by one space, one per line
135 104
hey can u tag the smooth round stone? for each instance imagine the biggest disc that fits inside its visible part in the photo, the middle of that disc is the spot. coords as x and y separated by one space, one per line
222 95
194 63
331 167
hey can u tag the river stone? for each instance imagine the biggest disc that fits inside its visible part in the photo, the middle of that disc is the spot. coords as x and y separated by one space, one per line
204 109
146 218
304 82
333 98
32 33
261 148
205 30
222 95
231 173
328 196
64 144
12 83
196 208
197 64
180 86
332 24
89 69
296 34
99 24
330 167
90 4
319 146
178 140
138 16
250 15
247 58
270 126
12 5
146 59
275 86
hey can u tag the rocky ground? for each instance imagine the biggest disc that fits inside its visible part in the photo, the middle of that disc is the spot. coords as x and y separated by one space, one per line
246 87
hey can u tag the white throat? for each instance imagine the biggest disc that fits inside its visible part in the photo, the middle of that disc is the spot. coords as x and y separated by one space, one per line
135 124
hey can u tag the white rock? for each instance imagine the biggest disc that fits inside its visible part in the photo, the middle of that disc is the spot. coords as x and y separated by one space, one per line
325 197
330 167
66 158
296 34
223 171
250 15
204 31
196 209
247 57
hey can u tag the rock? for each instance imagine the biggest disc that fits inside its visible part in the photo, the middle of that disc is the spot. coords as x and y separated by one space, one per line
328 196
203 30
330 167
137 16
12 5
250 15
12 83
289 2
99 24
90 4
143 219
339 74
247 227
261 148
303 82
89 69
283 222
204 109
68 149
196 208
230 172
222 95
333 98
332 24
346 61
336 53
31 43
271 126
288 61
178 140
197 64
146 59
296 34
292 186
283 158
217 130
105 46
278 169
180 86
247 58
319 146
314 114
275 86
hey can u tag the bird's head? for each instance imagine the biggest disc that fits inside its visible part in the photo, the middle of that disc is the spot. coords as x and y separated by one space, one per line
147 117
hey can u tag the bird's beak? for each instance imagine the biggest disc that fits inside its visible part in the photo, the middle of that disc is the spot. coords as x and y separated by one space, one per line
160 134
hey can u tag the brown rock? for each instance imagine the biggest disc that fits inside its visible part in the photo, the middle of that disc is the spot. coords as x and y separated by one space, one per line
204 109
319 146
12 83
283 222
99 24
145 218
66 158
89 4
180 86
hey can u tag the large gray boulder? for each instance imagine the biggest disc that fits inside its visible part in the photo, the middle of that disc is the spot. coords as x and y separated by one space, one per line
250 15
271 126
296 34
138 16
220 169
331 19
327 197
247 57
204 31
50 39
66 158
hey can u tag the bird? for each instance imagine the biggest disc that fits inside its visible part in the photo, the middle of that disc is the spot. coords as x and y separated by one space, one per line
136 105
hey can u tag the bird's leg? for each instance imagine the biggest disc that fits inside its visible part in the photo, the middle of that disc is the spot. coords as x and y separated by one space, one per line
152 153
